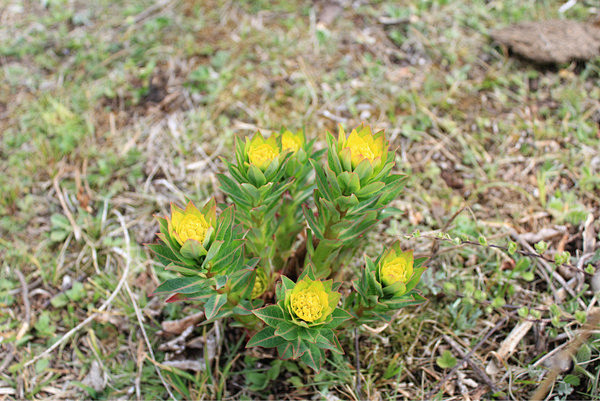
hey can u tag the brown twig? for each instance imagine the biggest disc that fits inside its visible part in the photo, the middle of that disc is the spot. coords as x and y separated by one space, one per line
436 245
505 249
26 304
8 359
474 367
464 359
591 325
61 199
357 361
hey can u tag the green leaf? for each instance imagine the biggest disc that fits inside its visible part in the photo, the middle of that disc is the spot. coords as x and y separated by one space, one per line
184 270
332 339
256 176
212 251
59 300
213 305
266 338
312 222
446 360
321 180
251 191
358 227
410 299
287 330
333 183
58 235
338 316
60 221
272 315
186 285
232 189
225 225
283 286
192 249
231 259
313 357
323 343
164 253
240 280
346 202
76 292
370 190
285 351
364 170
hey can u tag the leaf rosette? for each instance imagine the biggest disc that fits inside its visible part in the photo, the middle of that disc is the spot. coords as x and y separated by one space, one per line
300 324
206 250
388 283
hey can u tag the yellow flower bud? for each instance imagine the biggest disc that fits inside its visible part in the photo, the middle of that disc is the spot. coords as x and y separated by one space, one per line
395 268
363 144
307 304
262 155
311 301
260 284
291 142
262 152
192 227
188 224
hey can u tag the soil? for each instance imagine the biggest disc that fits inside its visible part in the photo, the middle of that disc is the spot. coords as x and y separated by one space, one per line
552 41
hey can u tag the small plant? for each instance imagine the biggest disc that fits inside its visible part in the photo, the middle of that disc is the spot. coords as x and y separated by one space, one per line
277 259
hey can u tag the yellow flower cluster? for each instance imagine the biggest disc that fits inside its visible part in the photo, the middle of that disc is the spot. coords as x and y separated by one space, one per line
397 267
189 224
363 144
311 301
291 142
308 304
261 152
262 155
260 284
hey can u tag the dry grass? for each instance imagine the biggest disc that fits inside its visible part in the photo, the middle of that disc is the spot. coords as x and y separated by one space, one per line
111 111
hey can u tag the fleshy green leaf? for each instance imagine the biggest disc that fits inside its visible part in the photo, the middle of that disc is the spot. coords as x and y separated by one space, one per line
312 222
213 251
370 190
272 315
192 249
266 338
338 316
287 330
164 253
185 285
313 357
285 351
256 176
213 305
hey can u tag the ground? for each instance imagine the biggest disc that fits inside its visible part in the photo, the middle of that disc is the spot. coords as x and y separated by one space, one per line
111 110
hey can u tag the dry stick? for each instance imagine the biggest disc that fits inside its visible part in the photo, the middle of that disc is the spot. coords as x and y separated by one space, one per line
476 369
8 359
26 303
61 199
531 254
551 271
138 313
591 325
358 382
465 358
434 244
